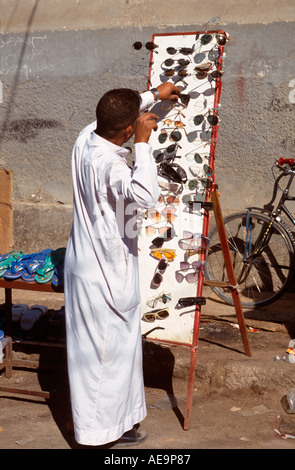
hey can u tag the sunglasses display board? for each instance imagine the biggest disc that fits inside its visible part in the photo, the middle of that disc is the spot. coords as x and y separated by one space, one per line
173 236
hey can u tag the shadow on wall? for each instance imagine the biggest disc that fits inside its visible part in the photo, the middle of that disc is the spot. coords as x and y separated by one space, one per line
25 129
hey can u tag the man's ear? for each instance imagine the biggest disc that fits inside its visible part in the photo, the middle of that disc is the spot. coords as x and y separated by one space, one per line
129 131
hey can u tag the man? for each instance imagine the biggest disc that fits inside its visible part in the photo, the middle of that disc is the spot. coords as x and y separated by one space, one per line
102 298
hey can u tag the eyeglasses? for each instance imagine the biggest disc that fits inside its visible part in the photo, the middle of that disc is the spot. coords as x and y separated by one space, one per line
160 269
212 119
150 46
171 72
197 265
158 253
181 50
160 314
172 172
164 297
192 241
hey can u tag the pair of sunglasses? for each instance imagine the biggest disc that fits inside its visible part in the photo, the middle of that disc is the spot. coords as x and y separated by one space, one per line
215 74
159 253
168 153
174 135
189 301
206 182
152 230
164 297
181 62
220 38
212 119
168 213
191 278
168 199
160 314
160 269
196 157
172 172
197 265
173 188
150 46
192 241
196 170
167 236
181 50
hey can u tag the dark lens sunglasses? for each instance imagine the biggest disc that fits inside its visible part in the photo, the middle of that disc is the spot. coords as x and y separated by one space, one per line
201 74
181 50
221 39
182 62
212 119
172 172
150 46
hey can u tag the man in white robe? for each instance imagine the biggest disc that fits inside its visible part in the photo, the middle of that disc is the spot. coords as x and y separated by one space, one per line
102 292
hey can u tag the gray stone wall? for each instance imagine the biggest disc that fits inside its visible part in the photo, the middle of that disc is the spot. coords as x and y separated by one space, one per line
52 78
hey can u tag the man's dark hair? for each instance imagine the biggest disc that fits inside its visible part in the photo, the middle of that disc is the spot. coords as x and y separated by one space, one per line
116 110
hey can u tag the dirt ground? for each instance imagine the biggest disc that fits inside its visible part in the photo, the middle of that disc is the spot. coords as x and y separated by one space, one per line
221 417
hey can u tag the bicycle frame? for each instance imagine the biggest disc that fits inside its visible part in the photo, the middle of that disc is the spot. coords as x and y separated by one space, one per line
274 215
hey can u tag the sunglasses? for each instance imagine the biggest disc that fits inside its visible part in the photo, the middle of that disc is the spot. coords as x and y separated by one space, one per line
220 38
196 170
168 199
182 62
189 301
168 213
150 46
192 198
195 156
197 265
161 314
174 188
191 241
172 172
171 72
215 74
164 297
190 277
167 153
160 269
158 253
159 241
206 182
152 230
212 119
181 50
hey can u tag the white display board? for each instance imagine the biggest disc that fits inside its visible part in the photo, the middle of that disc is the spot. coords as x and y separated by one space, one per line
184 143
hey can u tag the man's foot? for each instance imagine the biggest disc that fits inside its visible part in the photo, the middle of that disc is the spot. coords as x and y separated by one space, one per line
133 437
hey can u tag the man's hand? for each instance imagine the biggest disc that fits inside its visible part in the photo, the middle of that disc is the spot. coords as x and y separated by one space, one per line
144 126
168 91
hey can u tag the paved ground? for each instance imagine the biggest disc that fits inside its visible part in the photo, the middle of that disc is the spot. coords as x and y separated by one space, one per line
236 402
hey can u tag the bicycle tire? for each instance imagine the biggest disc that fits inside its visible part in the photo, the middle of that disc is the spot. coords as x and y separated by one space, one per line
264 279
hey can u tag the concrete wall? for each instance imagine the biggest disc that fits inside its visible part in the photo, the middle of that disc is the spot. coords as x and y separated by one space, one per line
58 57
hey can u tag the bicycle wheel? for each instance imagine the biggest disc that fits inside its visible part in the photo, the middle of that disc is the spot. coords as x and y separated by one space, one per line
261 278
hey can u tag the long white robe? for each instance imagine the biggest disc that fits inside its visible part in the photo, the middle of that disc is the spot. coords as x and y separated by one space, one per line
102 292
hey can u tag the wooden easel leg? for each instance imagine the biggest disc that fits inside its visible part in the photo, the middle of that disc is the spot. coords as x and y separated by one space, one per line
230 270
192 369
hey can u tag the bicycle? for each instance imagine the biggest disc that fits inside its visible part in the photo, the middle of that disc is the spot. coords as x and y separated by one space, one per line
262 248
